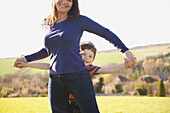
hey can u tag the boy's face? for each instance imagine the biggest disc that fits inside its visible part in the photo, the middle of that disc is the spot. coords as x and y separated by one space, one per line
87 56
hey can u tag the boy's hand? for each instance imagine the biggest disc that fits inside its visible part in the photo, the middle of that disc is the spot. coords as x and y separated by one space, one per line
19 62
22 65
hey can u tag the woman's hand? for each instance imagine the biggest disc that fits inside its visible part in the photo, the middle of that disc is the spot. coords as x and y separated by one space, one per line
130 60
19 61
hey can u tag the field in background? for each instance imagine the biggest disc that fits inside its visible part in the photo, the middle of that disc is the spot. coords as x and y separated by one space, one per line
102 58
107 104
7 68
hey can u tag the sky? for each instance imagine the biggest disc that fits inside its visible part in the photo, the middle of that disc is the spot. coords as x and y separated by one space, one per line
135 22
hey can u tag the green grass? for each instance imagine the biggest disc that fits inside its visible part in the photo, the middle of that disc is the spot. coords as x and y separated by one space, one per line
108 58
6 67
107 104
105 58
24 105
102 58
134 104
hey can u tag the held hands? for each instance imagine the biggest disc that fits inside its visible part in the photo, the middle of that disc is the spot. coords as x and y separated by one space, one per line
130 60
20 62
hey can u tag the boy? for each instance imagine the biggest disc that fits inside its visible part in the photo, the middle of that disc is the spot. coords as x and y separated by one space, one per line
88 53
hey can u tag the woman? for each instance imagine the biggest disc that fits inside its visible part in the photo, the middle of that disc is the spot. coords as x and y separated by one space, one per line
68 73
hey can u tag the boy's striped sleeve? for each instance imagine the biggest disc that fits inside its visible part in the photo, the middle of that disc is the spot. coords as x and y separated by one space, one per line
92 69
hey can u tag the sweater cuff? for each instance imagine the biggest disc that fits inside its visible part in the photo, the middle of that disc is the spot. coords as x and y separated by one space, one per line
25 59
124 50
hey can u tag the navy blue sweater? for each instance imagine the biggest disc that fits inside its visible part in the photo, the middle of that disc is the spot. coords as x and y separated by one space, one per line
62 44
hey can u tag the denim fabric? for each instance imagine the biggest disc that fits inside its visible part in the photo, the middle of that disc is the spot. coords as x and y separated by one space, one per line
79 84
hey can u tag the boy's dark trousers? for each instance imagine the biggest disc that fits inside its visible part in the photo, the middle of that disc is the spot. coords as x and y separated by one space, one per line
73 107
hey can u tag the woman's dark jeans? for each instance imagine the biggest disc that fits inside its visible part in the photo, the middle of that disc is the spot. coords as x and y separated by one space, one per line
79 84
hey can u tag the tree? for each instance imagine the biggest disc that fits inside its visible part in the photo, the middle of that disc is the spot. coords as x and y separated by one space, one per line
118 88
99 85
159 65
159 62
149 66
161 89
141 91
141 88
5 91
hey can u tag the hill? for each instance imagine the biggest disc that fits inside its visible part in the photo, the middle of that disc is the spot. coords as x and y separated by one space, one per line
141 52
102 58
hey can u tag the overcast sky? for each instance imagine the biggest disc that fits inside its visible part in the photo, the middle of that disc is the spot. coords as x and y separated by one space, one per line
136 22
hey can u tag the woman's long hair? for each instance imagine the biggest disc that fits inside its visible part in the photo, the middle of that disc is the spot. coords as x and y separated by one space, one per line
73 14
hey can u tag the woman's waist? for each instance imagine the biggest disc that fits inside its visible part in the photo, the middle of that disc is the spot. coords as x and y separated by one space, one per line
67 71
70 76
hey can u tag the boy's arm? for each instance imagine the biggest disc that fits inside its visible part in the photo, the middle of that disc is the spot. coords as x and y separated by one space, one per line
44 66
112 69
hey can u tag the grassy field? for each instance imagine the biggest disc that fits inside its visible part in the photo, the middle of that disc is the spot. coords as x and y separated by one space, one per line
107 104
7 68
102 58
105 58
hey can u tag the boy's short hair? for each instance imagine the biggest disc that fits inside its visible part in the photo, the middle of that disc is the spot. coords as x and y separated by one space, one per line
88 45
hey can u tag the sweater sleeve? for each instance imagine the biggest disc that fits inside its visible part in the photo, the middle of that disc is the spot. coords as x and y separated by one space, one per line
43 53
93 27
